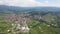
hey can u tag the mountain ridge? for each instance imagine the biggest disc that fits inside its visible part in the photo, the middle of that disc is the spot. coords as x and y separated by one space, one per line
15 8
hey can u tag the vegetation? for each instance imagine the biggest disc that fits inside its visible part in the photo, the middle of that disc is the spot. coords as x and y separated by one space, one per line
42 22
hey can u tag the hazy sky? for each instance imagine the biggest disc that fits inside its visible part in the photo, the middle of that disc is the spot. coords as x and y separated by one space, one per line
30 3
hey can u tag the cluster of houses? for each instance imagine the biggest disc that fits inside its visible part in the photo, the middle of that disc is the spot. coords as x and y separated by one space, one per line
18 23
14 17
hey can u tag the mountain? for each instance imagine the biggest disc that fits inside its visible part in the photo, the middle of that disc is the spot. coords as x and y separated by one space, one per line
15 8
10 8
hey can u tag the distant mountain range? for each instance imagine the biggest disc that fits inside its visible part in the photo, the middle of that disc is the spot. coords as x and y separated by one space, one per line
15 8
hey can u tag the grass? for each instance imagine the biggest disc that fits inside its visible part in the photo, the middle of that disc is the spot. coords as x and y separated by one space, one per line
36 27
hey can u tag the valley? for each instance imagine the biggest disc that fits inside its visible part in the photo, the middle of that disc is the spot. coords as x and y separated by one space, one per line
29 21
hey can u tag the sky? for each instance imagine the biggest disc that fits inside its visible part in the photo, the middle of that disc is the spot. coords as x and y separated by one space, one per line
31 3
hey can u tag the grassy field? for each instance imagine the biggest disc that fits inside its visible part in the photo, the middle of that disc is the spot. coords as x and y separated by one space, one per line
36 27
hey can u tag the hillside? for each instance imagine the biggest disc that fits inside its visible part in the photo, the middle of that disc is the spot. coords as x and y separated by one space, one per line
29 20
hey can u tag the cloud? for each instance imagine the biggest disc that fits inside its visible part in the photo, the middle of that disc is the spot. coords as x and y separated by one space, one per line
23 3
46 2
